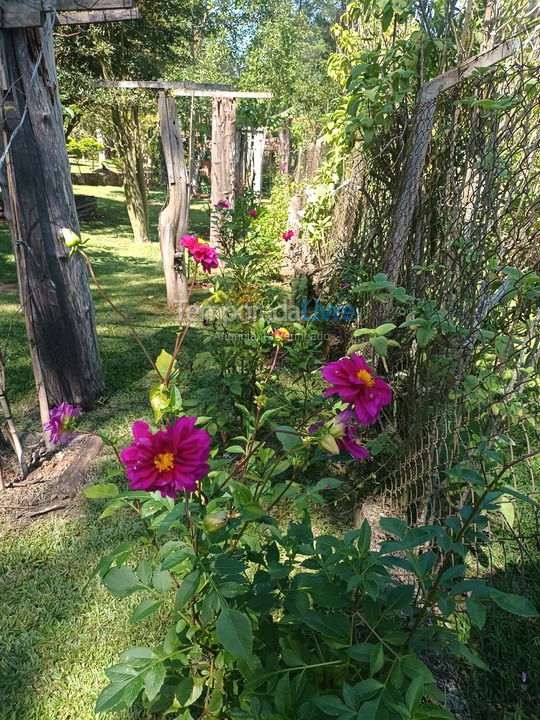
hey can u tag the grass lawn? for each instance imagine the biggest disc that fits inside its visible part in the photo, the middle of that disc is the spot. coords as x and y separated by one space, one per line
56 635
55 639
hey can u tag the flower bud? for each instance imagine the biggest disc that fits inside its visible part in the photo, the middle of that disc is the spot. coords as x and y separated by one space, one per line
215 521
328 443
71 238
336 428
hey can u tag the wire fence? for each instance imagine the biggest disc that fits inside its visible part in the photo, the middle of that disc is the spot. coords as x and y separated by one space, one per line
465 242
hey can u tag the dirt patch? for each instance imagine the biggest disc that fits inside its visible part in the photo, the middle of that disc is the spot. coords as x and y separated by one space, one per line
52 486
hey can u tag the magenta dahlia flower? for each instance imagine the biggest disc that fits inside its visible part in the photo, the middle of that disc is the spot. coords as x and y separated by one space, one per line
287 235
341 436
253 213
354 381
170 460
201 252
61 423
223 205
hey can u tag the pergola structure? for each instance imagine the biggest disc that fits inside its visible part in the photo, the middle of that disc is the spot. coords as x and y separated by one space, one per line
225 158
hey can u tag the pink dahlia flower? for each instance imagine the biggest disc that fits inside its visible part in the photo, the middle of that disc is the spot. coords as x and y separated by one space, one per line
223 205
253 213
170 460
201 252
61 423
353 380
287 235
341 436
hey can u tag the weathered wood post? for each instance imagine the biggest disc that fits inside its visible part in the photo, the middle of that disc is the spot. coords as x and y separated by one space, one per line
36 184
173 219
224 156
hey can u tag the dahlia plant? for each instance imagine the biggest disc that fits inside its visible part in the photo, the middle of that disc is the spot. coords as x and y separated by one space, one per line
265 619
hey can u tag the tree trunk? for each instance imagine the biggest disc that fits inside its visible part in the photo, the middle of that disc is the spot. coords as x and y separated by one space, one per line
173 219
223 156
36 184
128 144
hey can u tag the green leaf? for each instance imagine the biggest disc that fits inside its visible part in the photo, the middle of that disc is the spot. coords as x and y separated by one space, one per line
380 345
365 689
159 400
144 609
394 526
331 705
414 692
233 629
162 581
376 659
515 604
163 363
288 437
119 696
104 490
153 680
508 510
385 328
187 589
477 613
425 335
122 581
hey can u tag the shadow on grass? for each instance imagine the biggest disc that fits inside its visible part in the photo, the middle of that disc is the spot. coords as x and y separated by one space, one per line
56 636
510 646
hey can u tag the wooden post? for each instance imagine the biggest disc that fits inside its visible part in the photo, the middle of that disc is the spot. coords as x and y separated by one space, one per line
191 148
36 184
223 156
259 141
173 219
416 150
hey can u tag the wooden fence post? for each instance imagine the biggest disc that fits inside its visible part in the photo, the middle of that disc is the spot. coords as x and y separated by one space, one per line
173 219
36 184
223 156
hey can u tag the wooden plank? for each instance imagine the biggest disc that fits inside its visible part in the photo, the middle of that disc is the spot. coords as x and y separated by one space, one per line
96 16
452 77
221 93
161 85
15 15
20 14
62 5
185 89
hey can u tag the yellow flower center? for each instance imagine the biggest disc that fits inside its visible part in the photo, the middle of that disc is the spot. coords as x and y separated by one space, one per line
164 461
366 377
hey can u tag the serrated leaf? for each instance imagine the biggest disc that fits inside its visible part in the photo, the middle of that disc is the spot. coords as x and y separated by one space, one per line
119 696
144 609
233 629
122 581
153 680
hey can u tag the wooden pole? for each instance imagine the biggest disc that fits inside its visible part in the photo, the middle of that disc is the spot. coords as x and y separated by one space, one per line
36 184
191 146
223 157
173 219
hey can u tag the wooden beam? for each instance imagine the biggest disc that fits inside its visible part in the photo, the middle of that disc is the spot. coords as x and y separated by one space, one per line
96 16
452 77
186 89
233 94
15 14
